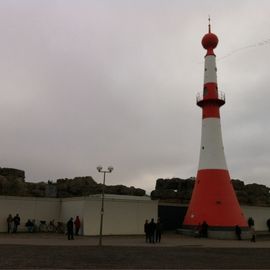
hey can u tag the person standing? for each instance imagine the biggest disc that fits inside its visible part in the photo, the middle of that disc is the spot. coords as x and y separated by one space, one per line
77 224
251 222
238 232
9 223
268 224
16 222
204 229
159 228
152 230
70 229
146 231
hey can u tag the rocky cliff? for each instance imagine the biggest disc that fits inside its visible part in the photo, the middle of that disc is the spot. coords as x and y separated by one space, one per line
180 190
12 183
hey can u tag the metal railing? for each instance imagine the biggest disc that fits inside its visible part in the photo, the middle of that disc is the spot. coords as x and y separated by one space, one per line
220 96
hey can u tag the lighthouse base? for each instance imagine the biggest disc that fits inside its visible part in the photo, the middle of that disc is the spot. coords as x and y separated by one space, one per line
216 232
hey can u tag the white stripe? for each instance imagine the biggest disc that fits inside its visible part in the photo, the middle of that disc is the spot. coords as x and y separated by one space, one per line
212 151
210 71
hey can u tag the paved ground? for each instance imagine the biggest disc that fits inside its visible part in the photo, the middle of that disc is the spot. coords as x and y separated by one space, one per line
53 251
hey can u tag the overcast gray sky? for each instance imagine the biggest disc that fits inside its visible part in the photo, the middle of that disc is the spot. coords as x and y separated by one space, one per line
95 82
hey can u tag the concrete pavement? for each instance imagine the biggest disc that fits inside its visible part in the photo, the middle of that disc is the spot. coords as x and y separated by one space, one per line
54 251
168 240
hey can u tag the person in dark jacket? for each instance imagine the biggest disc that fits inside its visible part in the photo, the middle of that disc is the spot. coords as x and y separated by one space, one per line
159 228
29 225
268 224
152 230
251 222
204 229
238 232
70 229
16 222
146 231
9 223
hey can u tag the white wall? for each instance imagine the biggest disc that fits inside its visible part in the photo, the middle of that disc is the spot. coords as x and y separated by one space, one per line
259 214
121 216
72 207
91 216
28 208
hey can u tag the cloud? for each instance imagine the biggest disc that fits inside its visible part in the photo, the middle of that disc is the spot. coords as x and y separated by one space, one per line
95 82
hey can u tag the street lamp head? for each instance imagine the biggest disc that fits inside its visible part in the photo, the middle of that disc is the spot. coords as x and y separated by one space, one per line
99 168
110 168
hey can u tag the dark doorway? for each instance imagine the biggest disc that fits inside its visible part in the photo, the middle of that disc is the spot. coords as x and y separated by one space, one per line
171 217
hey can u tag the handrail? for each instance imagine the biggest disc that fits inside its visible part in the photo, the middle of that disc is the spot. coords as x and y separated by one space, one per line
200 96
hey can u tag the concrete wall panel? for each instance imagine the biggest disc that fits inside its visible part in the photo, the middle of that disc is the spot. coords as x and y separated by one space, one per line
28 208
259 214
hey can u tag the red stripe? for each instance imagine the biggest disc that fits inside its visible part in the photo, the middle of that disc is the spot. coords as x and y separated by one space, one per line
210 90
214 201
210 110
210 103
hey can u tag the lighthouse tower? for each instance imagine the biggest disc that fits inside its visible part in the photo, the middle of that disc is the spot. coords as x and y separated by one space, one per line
213 199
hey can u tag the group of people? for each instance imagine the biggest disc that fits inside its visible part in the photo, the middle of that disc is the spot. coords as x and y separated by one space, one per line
202 230
153 231
71 225
13 223
251 225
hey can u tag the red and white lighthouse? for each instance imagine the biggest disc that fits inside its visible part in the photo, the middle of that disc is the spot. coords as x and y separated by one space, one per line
213 199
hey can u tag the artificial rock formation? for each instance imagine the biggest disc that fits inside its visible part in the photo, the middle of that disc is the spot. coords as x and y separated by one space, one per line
179 191
12 183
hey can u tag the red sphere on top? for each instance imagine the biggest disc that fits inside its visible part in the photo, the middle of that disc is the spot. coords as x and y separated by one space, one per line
210 41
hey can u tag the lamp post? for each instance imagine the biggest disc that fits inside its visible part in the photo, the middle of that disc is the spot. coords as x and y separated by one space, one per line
109 170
